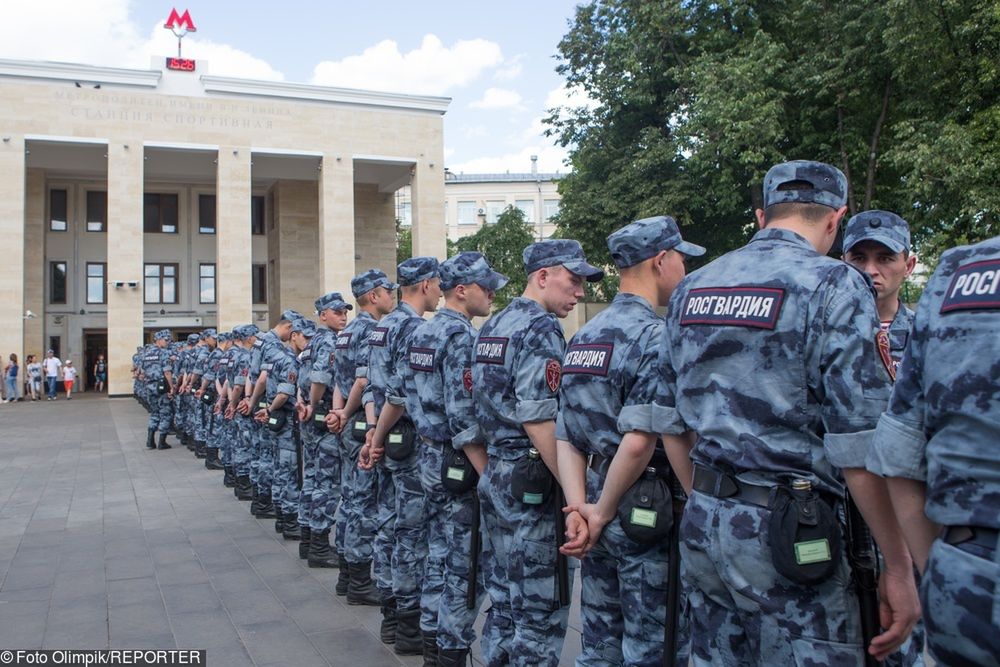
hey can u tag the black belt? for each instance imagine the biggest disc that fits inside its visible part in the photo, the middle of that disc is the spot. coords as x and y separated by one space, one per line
972 539
721 485
433 443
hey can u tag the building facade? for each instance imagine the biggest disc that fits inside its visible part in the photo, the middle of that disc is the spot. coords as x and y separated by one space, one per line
135 200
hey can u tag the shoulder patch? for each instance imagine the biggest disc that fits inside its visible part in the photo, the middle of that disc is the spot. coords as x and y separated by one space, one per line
467 379
491 350
588 358
421 359
743 306
378 336
553 375
974 286
343 341
292 377
885 353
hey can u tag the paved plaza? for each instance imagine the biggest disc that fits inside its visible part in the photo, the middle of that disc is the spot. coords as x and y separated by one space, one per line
104 544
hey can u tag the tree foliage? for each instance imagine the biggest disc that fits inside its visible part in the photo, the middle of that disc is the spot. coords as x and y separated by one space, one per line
503 244
691 101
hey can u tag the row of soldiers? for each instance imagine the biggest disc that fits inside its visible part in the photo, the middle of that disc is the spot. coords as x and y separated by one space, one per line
450 463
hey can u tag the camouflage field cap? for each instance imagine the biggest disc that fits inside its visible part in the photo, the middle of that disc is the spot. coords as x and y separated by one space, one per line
305 327
369 280
209 333
193 338
162 334
882 226
225 337
642 239
564 252
291 315
822 184
331 301
245 331
415 269
470 267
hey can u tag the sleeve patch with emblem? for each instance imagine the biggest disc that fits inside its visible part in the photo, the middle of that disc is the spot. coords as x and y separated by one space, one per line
553 374
467 379
885 352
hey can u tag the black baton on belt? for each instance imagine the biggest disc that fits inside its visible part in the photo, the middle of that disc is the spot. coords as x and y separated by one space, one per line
673 619
863 558
562 563
299 463
475 546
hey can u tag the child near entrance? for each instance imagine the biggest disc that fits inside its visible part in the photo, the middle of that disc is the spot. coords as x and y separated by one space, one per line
100 373
69 378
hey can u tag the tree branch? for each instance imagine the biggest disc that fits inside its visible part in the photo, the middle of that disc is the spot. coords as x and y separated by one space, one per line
845 162
873 147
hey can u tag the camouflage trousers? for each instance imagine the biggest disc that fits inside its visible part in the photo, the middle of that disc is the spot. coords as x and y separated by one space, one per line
203 416
284 484
409 530
385 529
160 410
225 431
326 477
743 612
526 624
308 436
240 448
449 558
960 596
356 530
264 453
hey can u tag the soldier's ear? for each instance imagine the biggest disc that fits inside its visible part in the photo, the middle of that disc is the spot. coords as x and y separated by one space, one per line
760 218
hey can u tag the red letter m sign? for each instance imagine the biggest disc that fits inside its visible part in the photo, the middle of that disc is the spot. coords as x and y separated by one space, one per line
180 23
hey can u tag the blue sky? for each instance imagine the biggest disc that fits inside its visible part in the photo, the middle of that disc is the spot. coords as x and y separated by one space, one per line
494 59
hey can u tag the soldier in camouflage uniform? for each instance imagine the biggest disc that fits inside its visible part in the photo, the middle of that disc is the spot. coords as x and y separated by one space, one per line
937 444
207 399
437 380
356 531
609 382
325 471
769 356
196 386
516 375
244 337
401 510
183 397
156 370
138 390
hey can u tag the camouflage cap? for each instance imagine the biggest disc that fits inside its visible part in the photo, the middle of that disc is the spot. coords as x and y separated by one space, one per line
564 252
245 331
193 338
225 337
882 226
163 334
470 267
369 280
822 184
305 327
291 315
331 301
415 269
209 333
642 239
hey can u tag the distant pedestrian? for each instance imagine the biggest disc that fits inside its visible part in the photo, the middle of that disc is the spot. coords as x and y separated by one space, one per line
52 366
11 371
100 373
69 379
34 377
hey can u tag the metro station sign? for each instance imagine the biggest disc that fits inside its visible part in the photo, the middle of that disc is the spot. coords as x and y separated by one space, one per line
180 25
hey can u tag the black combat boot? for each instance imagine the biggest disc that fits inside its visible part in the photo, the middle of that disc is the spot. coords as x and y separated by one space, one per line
279 520
305 543
265 509
244 489
453 657
188 441
162 444
321 554
408 639
199 449
212 461
291 530
150 438
430 648
387 631
360 589
343 578
228 477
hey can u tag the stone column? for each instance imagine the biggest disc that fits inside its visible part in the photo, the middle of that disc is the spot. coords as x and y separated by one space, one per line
34 262
12 165
336 225
125 190
427 209
233 250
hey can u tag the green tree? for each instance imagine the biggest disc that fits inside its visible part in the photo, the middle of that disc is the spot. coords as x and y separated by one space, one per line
404 242
503 244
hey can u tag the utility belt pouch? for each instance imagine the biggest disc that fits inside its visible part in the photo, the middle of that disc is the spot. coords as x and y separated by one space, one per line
262 404
319 419
401 441
531 482
646 508
162 387
358 426
804 534
209 396
457 473
277 420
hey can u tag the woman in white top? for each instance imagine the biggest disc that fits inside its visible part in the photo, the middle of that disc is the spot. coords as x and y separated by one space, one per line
34 377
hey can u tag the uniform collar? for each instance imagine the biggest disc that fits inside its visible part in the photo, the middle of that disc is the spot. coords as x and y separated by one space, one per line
452 313
626 297
362 314
779 234
407 308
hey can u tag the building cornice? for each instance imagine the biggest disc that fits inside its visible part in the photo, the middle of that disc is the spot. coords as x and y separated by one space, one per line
301 91
78 73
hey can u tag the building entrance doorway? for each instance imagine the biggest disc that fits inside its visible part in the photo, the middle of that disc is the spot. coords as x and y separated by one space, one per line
95 343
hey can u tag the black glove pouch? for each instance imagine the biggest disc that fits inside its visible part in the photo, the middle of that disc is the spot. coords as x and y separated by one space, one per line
646 510
358 426
805 536
208 397
162 387
401 441
277 420
319 419
531 482
457 474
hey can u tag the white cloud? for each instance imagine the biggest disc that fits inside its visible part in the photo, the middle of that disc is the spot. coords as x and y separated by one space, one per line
431 69
569 97
497 98
511 69
222 59
550 159
475 131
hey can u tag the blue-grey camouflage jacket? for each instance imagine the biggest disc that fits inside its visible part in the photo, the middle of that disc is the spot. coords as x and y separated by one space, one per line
155 361
388 342
770 354
516 372
899 333
437 379
610 376
321 357
352 352
943 422
305 366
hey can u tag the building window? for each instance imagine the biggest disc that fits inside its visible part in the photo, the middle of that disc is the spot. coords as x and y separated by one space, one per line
493 211
405 215
97 285
58 211
257 209
159 213
466 212
206 214
97 210
206 283
160 283
527 207
55 344
551 208
259 283
57 282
